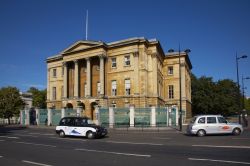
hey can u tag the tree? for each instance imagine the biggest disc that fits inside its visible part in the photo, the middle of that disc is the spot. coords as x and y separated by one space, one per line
209 97
39 97
10 102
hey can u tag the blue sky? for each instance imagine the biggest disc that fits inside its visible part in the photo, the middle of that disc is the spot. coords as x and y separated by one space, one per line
32 30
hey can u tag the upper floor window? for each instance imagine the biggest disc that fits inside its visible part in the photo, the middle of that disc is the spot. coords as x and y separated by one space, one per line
170 70
127 87
114 88
54 93
127 60
113 62
171 91
54 72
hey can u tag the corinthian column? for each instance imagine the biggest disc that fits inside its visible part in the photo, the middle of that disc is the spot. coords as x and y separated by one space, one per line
65 80
88 78
136 73
76 87
102 74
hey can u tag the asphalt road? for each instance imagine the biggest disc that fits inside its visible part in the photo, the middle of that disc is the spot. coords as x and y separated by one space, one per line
36 146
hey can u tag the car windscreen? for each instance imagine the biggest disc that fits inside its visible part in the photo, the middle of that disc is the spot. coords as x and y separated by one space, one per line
193 120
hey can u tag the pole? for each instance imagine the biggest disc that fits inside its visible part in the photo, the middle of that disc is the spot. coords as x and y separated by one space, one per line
180 119
243 93
238 84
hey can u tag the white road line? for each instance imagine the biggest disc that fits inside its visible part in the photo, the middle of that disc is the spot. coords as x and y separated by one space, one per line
117 153
221 161
25 135
134 143
72 139
214 146
40 134
9 137
1 140
162 138
35 163
29 143
1 156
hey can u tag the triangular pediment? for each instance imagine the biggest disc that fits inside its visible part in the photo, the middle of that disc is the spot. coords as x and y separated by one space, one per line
80 45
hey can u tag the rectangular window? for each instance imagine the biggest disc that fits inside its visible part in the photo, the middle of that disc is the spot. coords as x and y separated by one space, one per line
171 91
54 72
62 71
127 60
113 62
127 87
211 119
98 88
170 70
114 88
54 93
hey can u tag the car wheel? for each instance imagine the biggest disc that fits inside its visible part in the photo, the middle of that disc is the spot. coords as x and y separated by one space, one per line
236 131
201 133
90 135
61 134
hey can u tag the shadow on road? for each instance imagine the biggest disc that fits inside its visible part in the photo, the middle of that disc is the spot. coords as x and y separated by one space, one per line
8 129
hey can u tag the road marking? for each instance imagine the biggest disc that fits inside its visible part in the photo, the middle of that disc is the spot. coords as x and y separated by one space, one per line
40 134
68 139
35 163
28 143
117 153
9 137
222 161
134 143
23 135
1 140
162 138
1 156
213 146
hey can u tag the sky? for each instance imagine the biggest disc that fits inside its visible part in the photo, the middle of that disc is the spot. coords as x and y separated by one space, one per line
33 30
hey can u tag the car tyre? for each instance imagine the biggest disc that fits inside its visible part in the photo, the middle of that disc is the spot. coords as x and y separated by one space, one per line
201 133
90 135
61 134
236 131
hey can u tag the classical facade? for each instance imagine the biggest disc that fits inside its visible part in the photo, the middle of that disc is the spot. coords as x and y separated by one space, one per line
134 71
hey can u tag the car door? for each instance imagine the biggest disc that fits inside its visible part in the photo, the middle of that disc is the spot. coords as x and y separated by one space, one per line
211 125
76 127
223 127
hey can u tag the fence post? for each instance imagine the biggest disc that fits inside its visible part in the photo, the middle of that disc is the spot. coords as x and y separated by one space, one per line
37 116
111 117
63 112
79 111
27 116
176 115
97 115
49 117
153 117
132 116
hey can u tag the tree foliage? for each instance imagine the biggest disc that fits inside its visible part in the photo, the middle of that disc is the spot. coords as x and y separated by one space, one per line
39 97
209 97
10 102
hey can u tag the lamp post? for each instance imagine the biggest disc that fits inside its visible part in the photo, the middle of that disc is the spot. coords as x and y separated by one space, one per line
238 84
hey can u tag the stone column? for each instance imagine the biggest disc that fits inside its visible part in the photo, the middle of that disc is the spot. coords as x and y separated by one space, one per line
136 73
102 74
88 78
65 80
155 73
132 116
97 115
153 117
76 77
111 117
48 85
27 116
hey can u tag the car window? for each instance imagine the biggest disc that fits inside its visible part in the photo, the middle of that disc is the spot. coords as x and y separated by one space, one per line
66 122
222 120
201 120
211 120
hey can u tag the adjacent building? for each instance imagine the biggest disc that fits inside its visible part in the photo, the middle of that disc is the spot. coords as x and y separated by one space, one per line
132 72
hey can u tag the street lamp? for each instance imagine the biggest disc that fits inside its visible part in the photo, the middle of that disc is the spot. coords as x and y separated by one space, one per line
238 84
243 91
180 80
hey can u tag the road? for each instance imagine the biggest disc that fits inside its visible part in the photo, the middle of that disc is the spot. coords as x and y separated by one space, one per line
36 146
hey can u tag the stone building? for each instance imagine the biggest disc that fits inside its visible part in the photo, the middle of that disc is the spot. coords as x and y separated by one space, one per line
134 71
